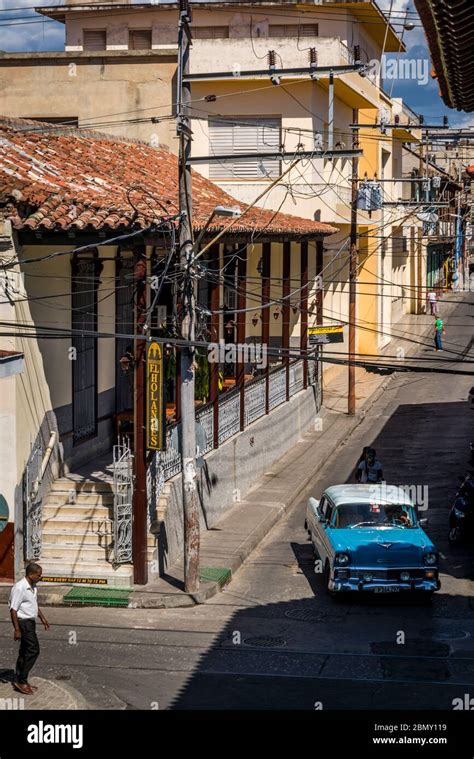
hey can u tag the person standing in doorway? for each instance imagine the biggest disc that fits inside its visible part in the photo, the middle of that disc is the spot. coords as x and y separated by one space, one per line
23 611
439 331
432 300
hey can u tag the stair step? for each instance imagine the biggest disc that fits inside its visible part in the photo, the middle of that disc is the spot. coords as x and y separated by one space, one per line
71 497
52 511
58 568
87 551
81 486
88 525
69 552
78 536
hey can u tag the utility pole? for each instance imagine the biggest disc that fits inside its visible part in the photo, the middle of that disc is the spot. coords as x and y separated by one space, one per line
188 418
457 247
351 403
140 519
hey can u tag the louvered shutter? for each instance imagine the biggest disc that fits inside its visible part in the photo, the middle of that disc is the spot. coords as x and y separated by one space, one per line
293 30
250 136
95 39
140 39
210 32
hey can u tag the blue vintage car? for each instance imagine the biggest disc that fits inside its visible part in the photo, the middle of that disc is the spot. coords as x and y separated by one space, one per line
368 538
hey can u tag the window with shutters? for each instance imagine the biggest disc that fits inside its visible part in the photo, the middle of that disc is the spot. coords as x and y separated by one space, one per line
95 39
244 135
139 39
293 30
210 32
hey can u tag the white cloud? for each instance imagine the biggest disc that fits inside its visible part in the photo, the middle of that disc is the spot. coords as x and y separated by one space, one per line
24 30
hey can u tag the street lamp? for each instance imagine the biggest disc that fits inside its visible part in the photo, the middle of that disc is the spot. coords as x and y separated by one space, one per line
218 211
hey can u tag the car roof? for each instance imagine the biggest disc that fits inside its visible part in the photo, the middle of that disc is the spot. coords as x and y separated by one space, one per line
381 493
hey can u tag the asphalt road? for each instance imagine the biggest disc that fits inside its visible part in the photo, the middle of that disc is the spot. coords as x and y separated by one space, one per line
273 639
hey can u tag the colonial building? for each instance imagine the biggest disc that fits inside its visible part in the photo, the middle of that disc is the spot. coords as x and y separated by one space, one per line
92 221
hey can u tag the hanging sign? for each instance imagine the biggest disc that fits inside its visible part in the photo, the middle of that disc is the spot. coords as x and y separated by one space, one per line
323 335
155 406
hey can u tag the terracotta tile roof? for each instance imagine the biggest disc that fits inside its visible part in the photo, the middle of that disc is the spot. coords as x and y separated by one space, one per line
77 181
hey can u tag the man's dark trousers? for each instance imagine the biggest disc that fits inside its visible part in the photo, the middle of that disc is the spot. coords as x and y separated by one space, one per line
29 649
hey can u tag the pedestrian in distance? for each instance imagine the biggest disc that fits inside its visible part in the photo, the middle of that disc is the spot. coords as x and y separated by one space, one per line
23 612
432 300
369 468
439 331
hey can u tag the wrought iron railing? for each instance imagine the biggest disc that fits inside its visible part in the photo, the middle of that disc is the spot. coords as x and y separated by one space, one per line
277 389
123 502
168 463
254 400
33 528
171 458
296 377
229 415
205 417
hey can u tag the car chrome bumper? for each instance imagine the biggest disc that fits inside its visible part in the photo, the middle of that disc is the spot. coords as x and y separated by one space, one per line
356 584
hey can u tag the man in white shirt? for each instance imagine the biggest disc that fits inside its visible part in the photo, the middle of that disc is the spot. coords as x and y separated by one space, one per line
433 302
23 612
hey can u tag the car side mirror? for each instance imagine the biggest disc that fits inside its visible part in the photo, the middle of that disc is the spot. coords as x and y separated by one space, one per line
319 515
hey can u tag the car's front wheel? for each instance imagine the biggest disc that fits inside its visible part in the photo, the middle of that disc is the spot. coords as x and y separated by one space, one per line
327 579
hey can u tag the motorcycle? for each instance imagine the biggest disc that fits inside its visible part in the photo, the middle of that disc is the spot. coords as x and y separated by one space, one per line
461 517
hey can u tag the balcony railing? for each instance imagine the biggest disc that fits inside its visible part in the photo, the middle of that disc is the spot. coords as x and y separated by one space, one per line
257 395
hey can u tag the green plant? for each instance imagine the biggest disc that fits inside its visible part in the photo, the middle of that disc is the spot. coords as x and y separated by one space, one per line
201 387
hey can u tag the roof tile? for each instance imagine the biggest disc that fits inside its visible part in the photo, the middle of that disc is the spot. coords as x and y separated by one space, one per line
79 180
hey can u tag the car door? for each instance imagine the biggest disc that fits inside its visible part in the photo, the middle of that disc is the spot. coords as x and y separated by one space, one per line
317 529
327 549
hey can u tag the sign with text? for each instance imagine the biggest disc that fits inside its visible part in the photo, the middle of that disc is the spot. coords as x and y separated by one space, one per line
155 406
324 335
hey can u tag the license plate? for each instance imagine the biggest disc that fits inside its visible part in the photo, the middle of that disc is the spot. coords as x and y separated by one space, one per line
386 589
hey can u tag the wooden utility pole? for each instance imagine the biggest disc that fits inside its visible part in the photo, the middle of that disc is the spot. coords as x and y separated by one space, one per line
140 519
188 417
351 401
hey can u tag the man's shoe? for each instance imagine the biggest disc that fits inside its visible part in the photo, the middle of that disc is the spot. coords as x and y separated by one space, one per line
33 687
23 688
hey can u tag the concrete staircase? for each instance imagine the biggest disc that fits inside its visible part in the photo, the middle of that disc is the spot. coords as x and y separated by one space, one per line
78 530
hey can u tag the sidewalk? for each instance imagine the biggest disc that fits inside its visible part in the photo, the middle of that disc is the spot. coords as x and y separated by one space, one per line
232 539
50 695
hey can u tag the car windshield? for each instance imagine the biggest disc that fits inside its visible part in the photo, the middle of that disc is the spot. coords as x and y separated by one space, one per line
373 515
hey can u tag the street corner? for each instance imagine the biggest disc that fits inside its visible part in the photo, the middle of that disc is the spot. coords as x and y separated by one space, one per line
50 695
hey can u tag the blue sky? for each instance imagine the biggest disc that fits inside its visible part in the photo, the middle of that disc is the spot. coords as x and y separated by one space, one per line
23 30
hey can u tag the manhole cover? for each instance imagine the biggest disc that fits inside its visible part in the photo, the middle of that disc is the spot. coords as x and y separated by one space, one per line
454 633
304 615
265 641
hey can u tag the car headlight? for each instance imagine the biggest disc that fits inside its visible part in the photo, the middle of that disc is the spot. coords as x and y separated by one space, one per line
404 576
342 558
430 558
368 577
